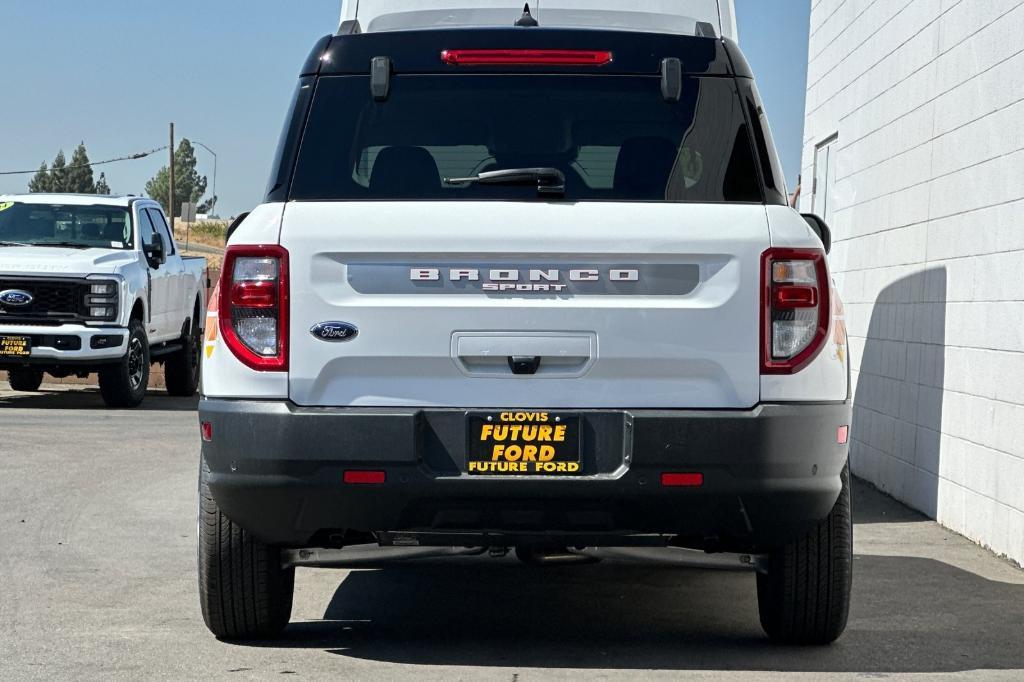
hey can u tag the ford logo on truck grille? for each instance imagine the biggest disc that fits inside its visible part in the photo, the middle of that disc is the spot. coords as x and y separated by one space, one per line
334 331
16 297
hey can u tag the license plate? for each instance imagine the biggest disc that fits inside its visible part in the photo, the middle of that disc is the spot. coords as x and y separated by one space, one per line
524 444
15 346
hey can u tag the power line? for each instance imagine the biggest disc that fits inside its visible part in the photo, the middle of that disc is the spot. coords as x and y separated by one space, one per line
131 157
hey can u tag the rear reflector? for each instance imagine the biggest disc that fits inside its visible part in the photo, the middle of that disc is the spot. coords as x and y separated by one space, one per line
365 477
843 435
682 480
526 57
206 429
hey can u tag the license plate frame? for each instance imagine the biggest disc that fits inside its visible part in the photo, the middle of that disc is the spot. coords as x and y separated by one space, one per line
13 346
524 443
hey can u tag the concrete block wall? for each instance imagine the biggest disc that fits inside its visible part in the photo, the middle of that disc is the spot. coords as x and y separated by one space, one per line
927 99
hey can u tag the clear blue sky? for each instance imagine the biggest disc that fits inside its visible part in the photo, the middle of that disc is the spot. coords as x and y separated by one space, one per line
114 72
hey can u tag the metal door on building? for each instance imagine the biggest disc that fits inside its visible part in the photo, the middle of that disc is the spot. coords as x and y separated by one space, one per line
824 189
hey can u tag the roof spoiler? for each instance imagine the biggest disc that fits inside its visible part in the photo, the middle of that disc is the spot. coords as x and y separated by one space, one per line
702 18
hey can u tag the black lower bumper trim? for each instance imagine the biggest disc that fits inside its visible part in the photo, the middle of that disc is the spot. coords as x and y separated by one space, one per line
768 475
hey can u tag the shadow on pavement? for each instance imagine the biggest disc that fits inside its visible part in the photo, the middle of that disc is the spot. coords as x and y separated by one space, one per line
909 615
89 399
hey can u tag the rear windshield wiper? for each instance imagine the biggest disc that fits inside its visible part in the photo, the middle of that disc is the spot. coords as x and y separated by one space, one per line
548 180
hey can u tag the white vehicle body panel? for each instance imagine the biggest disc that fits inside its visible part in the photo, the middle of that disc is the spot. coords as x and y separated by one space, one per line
697 350
657 16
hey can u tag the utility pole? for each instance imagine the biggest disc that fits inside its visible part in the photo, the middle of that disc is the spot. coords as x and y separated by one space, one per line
170 185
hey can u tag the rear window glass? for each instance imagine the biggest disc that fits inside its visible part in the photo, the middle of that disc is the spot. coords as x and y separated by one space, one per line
615 138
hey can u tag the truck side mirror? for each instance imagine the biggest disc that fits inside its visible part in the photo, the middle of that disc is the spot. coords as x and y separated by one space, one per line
156 253
821 229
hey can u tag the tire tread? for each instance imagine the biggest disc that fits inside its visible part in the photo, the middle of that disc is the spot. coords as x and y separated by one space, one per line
804 596
244 593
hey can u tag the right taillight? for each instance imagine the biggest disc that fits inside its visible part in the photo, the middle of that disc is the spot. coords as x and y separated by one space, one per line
795 308
254 306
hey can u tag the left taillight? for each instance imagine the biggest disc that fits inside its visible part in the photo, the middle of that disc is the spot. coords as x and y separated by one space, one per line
795 307
254 306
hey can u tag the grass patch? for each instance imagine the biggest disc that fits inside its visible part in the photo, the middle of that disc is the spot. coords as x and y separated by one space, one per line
207 233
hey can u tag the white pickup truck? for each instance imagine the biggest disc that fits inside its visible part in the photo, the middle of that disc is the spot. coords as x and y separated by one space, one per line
95 284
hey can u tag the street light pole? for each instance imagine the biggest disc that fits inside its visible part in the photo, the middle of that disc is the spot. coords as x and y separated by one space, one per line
170 183
200 144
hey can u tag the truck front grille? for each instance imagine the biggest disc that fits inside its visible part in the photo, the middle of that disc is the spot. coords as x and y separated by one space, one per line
52 300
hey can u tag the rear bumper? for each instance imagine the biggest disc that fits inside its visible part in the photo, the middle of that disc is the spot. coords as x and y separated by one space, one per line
769 474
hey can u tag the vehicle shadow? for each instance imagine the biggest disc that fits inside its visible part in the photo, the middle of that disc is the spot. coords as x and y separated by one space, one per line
909 615
86 398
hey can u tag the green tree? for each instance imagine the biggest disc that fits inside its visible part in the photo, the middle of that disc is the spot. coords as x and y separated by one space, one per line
40 182
59 173
79 177
101 185
189 186
207 206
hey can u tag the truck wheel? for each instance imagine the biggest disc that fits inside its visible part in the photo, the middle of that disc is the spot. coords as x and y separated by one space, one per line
124 384
804 596
243 590
25 380
181 371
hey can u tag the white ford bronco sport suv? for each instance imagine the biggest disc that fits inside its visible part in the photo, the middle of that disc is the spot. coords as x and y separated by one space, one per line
534 288
95 284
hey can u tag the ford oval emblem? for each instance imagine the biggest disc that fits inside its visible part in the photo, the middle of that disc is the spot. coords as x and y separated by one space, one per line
16 297
335 332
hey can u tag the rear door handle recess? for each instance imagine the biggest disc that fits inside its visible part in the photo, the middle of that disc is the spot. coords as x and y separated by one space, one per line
518 354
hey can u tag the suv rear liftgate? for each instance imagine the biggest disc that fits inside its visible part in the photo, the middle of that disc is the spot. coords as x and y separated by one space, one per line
525 293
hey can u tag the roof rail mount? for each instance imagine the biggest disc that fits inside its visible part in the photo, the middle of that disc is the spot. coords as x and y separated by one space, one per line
527 19
350 27
705 29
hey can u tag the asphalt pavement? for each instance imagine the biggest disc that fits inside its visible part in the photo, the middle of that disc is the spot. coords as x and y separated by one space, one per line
97 580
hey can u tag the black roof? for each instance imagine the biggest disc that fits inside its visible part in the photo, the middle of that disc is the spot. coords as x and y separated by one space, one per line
419 51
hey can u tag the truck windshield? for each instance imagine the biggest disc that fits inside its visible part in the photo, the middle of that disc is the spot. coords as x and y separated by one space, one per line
615 138
106 227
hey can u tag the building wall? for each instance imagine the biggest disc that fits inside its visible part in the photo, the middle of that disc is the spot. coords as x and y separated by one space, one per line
927 210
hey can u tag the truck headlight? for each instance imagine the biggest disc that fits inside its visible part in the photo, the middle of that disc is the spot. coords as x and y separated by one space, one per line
101 301
103 289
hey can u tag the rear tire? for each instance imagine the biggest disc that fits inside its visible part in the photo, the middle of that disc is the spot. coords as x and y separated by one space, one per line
181 371
243 591
804 596
25 380
124 384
